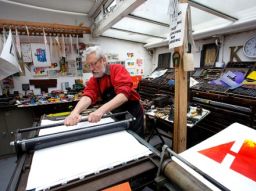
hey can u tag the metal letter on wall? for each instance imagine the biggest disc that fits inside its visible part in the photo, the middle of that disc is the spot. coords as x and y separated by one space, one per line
233 53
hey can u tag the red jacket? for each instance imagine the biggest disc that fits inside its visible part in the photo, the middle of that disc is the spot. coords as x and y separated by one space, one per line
116 76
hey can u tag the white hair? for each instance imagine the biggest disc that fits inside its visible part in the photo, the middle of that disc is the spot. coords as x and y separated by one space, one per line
95 49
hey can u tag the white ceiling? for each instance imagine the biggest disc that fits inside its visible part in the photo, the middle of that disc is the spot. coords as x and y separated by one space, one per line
154 10
149 22
138 26
79 6
236 12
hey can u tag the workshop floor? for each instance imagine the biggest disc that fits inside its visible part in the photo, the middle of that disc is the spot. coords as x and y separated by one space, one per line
7 166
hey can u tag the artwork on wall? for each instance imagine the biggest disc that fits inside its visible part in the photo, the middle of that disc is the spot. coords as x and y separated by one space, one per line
7 83
130 54
40 55
39 71
79 68
139 66
63 66
130 64
70 51
71 68
26 52
209 55
53 73
54 66
54 50
86 67
132 71
134 65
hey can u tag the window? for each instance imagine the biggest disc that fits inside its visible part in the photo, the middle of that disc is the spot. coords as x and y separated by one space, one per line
111 7
98 18
164 61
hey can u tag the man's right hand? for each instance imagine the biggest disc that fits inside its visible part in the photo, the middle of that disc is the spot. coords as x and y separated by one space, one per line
72 119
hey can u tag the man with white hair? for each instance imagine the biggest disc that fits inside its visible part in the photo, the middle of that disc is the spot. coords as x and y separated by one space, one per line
112 84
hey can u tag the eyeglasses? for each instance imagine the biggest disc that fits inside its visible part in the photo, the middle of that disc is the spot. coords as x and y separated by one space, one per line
94 63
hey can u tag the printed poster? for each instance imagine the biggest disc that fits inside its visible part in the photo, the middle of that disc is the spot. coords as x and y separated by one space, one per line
39 71
26 52
139 66
40 55
54 66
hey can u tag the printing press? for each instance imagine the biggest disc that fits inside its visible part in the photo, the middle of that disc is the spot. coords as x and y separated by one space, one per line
81 157
86 157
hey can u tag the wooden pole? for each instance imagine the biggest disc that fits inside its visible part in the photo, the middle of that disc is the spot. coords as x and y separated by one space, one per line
180 99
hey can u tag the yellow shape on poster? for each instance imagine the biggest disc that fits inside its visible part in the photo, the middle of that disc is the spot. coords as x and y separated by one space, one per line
252 75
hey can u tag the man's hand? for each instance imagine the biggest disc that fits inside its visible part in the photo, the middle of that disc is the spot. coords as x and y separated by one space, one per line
95 116
72 119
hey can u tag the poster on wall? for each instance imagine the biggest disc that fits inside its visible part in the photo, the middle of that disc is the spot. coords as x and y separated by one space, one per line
79 68
26 52
70 51
53 73
71 68
139 66
39 71
54 66
86 67
54 50
40 55
130 63
132 71
63 66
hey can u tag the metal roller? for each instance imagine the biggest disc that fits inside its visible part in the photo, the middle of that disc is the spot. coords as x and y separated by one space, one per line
69 136
180 177
125 113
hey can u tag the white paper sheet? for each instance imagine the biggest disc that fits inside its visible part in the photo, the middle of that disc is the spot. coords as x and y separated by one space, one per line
8 59
157 74
59 164
243 145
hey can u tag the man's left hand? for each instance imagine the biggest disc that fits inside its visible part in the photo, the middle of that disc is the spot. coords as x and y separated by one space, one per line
95 116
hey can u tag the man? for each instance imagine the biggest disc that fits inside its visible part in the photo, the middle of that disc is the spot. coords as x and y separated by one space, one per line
113 85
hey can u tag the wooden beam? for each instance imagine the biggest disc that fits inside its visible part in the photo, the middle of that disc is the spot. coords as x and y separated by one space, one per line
129 31
180 100
132 16
38 27
96 8
212 11
122 10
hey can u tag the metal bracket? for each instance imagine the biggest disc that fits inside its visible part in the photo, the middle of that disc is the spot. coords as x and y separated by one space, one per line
176 59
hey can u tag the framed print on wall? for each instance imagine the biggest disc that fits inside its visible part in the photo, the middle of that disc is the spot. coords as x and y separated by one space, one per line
40 54
209 55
